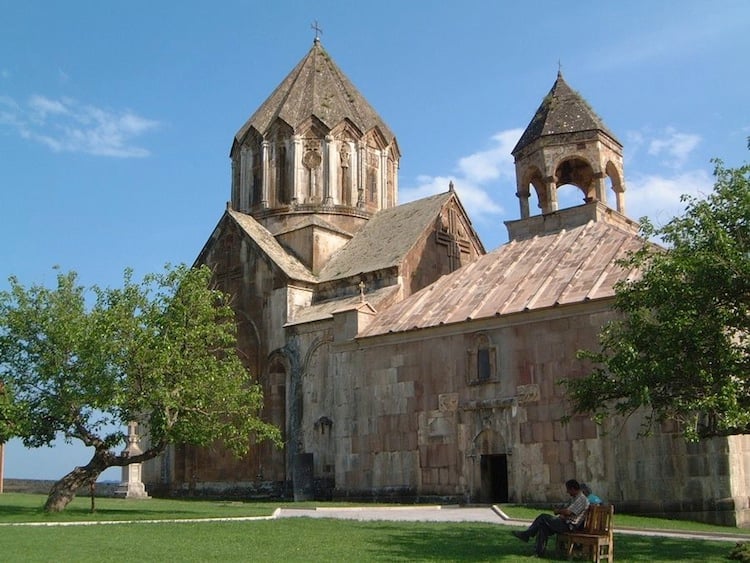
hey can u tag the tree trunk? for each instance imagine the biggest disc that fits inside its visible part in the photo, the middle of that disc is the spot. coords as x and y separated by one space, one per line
65 489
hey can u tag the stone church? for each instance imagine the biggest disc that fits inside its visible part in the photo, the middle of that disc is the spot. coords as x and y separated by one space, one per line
400 359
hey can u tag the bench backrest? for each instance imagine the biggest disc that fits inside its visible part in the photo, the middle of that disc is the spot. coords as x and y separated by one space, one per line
598 519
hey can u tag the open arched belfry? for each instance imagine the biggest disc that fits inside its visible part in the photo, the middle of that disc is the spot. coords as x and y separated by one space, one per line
567 143
400 360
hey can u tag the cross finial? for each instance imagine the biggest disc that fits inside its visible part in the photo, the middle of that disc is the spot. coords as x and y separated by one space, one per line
361 287
559 67
318 31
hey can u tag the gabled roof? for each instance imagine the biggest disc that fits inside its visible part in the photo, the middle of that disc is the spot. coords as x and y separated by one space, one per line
267 244
316 87
563 110
563 268
386 238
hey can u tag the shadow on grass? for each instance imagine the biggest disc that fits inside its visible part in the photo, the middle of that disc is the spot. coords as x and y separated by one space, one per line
19 513
453 542
495 543
641 548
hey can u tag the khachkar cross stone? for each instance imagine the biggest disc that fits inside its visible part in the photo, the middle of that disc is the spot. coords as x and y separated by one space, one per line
131 485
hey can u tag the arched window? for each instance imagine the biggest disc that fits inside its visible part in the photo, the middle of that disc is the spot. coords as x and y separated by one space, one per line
482 360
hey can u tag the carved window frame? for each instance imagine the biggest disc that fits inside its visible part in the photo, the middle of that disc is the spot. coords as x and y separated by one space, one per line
481 360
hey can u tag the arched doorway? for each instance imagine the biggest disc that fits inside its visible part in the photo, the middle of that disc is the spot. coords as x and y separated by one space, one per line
493 466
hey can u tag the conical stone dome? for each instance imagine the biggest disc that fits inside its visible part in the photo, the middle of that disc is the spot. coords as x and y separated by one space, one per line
314 146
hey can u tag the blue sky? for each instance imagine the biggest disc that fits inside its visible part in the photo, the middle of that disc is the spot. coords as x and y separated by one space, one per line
116 118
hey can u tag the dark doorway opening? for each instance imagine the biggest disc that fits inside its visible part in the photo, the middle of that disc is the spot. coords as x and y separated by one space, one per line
494 472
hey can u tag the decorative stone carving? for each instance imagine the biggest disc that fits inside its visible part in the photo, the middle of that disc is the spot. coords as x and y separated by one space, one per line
448 401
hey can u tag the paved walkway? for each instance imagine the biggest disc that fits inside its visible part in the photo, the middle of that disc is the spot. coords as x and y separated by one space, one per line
493 515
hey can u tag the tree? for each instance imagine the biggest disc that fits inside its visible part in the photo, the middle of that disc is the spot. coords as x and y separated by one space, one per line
680 348
161 352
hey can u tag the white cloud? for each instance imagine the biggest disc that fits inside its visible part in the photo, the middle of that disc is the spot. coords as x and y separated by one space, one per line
675 146
476 177
658 197
493 163
65 125
41 107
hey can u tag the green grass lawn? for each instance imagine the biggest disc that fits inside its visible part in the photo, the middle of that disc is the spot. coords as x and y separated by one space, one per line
22 507
291 539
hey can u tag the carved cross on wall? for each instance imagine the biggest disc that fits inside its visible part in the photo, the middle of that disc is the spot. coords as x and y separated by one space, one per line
450 233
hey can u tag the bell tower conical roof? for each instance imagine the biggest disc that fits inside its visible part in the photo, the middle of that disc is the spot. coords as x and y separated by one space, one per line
562 110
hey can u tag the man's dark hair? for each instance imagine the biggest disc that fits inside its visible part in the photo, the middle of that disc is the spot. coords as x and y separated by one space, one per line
572 484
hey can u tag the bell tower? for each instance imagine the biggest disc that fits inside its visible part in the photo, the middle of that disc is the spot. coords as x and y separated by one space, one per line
567 143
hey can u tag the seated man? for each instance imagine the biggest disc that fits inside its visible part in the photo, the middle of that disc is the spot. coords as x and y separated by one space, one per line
566 519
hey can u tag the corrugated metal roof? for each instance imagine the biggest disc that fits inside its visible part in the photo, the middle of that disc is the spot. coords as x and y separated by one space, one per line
562 268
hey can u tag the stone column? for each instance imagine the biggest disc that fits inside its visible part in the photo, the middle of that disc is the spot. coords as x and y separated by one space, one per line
383 183
620 195
131 485
600 186
246 175
266 176
234 188
297 168
523 199
330 170
361 168
551 196
395 182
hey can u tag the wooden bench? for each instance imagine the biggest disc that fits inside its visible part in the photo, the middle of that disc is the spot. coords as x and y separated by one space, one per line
594 537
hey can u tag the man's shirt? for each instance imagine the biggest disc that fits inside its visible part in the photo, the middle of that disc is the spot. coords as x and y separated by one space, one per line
578 507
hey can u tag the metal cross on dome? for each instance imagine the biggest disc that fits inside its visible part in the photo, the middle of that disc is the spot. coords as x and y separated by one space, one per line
318 30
